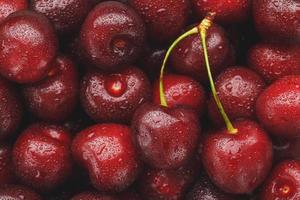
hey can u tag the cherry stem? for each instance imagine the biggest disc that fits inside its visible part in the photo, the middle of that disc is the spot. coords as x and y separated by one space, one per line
202 29
163 100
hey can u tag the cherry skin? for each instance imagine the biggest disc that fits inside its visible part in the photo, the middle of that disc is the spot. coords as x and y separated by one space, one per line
114 96
93 196
284 182
55 97
278 107
277 19
286 149
11 110
17 192
8 7
238 89
66 16
227 12
181 91
108 153
238 163
6 165
112 35
29 45
164 19
274 61
166 137
42 156
187 57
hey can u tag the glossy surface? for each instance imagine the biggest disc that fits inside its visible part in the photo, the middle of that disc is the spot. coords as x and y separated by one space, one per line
54 98
8 7
17 192
166 137
238 89
6 165
114 96
164 19
29 45
238 163
274 61
181 91
277 19
284 182
42 156
112 35
278 107
108 153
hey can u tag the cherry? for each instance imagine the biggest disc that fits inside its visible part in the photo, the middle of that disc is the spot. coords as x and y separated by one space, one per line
10 110
284 182
228 158
277 19
108 153
286 149
42 156
6 165
274 61
226 11
187 57
66 16
112 35
17 192
164 19
114 96
278 107
238 89
181 91
93 196
28 47
166 137
54 98
8 7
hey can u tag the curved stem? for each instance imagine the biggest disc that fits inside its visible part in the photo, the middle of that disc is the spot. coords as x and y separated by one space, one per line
203 27
163 100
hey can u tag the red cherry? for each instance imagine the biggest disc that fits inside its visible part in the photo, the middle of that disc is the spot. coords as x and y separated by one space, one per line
115 86
284 182
42 156
278 107
238 163
6 165
29 45
93 196
8 7
17 192
108 153
286 149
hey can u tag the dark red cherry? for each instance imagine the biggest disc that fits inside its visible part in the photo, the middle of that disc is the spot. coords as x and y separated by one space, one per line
181 91
42 156
55 97
284 182
164 19
108 153
93 196
286 149
205 190
166 137
112 35
156 184
66 15
278 107
17 192
8 7
6 165
227 12
238 163
238 89
114 96
29 45
10 110
187 57
274 61
277 19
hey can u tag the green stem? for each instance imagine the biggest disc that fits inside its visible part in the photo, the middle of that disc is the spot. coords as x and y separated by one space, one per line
163 100
203 27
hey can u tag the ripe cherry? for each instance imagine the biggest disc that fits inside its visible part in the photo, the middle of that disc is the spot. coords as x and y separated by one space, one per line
93 196
8 7
17 192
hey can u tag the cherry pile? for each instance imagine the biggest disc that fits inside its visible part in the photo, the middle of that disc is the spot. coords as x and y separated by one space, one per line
149 100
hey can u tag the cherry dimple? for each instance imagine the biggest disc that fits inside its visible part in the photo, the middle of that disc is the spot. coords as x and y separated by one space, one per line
115 85
284 188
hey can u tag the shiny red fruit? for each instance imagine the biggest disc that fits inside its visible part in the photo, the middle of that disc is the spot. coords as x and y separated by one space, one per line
6 165
107 151
29 45
17 192
8 7
42 156
238 163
